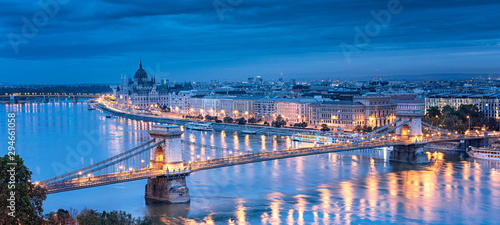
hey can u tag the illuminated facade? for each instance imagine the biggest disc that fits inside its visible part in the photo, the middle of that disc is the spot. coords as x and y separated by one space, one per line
294 110
141 93
487 103
371 110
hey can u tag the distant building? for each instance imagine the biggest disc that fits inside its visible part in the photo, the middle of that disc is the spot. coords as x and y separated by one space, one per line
244 106
371 110
487 103
144 93
265 109
340 113
294 110
141 92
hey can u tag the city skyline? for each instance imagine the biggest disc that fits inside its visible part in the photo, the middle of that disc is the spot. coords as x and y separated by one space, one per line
95 43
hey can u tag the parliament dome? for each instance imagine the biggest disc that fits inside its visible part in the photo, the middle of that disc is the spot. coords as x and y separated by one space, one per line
140 73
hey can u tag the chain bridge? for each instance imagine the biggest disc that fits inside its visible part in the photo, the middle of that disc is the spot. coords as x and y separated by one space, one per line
160 160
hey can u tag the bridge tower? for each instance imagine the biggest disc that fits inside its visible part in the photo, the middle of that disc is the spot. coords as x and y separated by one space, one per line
412 130
167 156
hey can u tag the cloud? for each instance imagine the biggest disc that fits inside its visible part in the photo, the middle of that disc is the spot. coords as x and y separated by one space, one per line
252 31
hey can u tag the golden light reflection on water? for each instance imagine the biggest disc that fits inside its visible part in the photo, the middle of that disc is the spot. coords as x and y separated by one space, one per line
223 142
354 185
236 141
346 190
247 143
275 206
241 211
325 195
275 143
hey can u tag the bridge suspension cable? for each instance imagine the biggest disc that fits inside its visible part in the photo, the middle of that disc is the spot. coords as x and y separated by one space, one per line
380 129
434 128
382 133
135 158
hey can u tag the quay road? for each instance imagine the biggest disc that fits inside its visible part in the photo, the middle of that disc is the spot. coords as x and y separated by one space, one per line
177 119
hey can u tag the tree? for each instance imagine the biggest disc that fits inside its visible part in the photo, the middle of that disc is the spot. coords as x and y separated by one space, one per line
164 108
358 128
88 216
300 125
434 111
471 111
27 199
252 120
228 119
200 117
279 122
324 127
366 129
266 123
448 111
210 118
92 217
453 123
492 124
61 217
241 121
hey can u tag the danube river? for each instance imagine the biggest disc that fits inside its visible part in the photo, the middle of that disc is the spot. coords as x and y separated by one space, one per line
356 187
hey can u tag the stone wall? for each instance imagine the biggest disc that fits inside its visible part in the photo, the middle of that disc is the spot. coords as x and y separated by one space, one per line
161 189
414 154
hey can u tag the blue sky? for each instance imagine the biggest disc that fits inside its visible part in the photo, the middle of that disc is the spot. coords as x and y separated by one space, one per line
94 41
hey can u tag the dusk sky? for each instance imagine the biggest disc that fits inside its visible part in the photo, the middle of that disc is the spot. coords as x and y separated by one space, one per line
94 41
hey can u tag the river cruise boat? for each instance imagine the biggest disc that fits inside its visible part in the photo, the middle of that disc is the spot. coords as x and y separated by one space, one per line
314 138
199 126
491 152
247 130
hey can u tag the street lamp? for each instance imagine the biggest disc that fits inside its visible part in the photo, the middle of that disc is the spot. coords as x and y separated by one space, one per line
468 117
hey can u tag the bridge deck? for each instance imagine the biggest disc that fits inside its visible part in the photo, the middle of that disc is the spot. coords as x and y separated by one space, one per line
118 177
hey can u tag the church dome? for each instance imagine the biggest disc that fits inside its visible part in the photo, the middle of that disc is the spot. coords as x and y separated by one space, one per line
140 73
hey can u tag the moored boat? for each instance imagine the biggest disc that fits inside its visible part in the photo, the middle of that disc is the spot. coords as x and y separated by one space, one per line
199 126
490 152
247 130
314 138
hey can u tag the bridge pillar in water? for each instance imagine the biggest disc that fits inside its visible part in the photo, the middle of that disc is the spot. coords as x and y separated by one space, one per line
12 99
413 153
412 130
168 155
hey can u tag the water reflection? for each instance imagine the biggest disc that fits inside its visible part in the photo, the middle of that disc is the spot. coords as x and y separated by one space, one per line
357 187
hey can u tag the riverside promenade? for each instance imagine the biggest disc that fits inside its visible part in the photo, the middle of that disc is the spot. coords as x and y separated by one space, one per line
228 127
